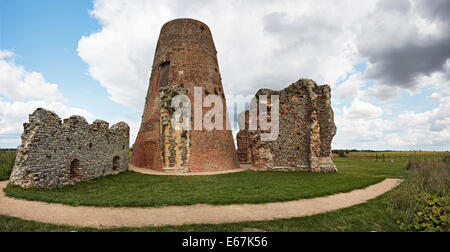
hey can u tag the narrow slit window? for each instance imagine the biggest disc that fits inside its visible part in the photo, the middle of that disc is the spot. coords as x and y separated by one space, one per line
164 74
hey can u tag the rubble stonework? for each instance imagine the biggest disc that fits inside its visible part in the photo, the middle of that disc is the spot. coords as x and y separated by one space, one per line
55 154
185 58
306 129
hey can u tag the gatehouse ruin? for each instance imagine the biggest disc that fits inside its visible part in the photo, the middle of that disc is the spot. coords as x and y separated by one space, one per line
306 129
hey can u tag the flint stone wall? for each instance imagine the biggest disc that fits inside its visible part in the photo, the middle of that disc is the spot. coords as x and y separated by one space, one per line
55 153
306 130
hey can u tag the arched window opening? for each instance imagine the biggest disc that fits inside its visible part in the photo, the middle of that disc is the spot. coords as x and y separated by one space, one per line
116 163
75 169
164 75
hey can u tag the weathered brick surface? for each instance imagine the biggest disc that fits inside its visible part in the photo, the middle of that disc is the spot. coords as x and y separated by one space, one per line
306 131
186 51
55 154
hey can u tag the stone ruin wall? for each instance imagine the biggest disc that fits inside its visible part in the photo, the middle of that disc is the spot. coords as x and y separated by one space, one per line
305 132
55 153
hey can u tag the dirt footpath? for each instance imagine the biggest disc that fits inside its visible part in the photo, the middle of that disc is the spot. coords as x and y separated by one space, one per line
179 215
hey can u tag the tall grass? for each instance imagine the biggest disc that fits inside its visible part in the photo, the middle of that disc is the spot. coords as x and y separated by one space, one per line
430 175
426 178
7 159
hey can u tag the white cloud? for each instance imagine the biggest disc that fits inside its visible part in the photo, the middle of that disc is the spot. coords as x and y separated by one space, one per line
350 87
381 92
360 110
260 43
439 80
438 97
270 44
407 130
14 114
23 92
18 84
405 39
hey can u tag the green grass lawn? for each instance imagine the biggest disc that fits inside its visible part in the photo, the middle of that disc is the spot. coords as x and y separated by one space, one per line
131 189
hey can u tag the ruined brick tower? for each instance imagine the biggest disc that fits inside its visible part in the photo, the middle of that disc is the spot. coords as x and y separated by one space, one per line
185 58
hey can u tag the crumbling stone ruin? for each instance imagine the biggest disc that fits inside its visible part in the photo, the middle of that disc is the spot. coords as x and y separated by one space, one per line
306 129
55 154
185 58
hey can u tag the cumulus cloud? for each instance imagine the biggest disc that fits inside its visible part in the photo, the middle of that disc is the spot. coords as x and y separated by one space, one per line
270 44
277 44
381 92
18 84
350 87
404 40
439 81
407 130
21 92
14 114
360 110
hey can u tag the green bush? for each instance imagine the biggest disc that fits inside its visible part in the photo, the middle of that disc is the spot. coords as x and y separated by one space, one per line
434 216
340 153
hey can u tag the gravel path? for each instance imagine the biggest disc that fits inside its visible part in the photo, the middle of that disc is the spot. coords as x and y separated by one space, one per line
179 215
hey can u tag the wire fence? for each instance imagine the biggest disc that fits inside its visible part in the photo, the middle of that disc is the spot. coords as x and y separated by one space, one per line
392 156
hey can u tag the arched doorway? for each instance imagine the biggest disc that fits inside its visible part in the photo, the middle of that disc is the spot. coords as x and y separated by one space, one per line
116 163
75 169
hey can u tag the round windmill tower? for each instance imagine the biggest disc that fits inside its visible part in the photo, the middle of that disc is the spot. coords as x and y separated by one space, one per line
185 61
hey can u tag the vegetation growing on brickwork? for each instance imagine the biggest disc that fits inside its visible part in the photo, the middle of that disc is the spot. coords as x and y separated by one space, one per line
7 158
421 203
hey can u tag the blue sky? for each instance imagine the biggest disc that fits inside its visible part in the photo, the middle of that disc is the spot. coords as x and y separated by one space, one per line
94 58
44 35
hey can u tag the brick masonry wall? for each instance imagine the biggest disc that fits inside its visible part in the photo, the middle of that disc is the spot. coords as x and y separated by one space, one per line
55 153
305 134
186 50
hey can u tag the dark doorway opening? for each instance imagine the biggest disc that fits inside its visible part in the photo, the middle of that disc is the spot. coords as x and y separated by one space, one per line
116 163
75 169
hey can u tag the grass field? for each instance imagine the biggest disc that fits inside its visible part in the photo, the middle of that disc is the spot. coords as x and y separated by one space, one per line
387 156
356 171
370 216
7 158
132 189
